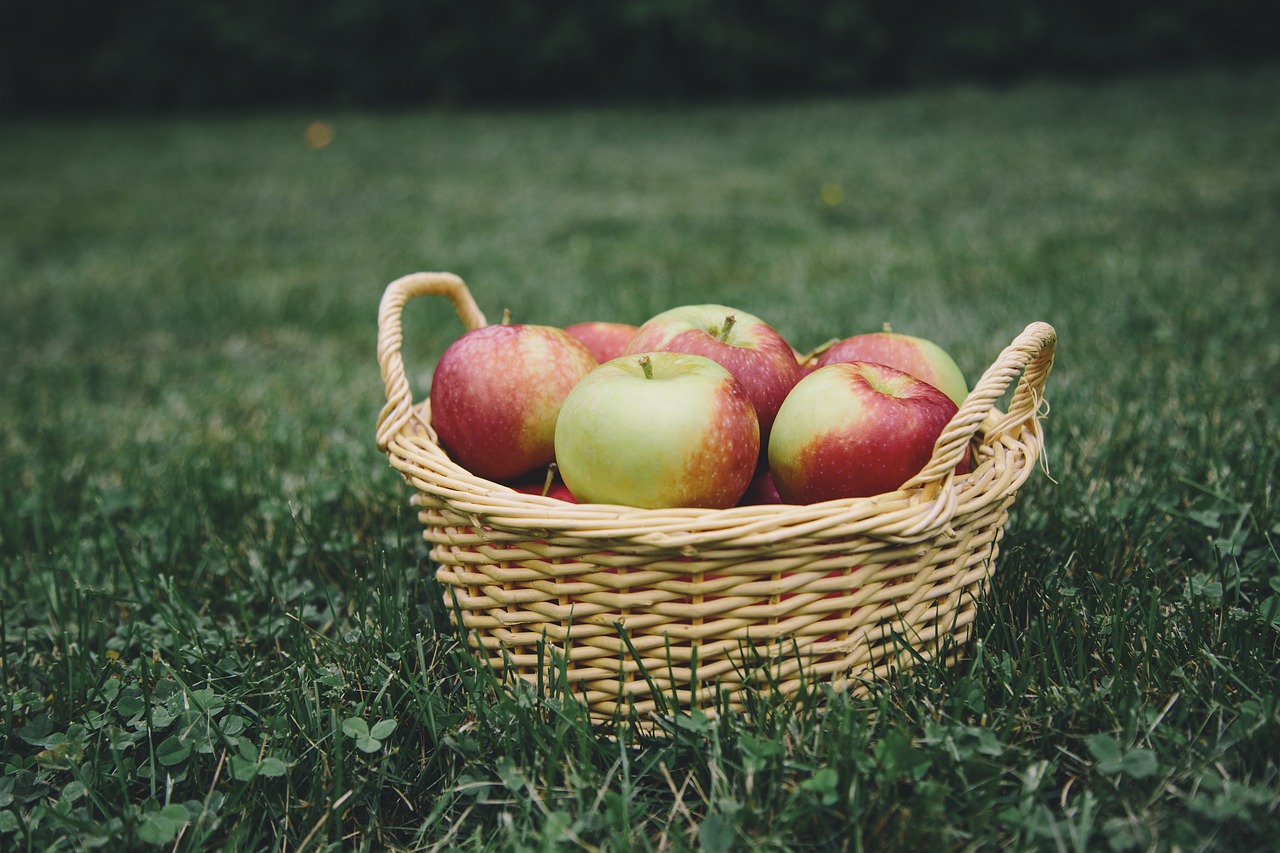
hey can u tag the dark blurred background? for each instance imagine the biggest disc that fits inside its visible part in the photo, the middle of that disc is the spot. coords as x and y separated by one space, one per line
146 56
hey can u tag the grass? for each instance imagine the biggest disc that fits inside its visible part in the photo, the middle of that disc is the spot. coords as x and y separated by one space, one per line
219 626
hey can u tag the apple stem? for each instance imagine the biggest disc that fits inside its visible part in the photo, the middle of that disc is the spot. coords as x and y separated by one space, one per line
506 316
551 478
646 366
818 350
888 327
728 324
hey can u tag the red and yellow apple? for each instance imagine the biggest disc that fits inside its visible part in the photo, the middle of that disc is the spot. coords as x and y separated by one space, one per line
658 429
605 340
497 391
749 348
853 430
921 358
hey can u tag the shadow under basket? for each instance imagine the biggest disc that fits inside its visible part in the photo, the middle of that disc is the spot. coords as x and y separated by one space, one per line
644 610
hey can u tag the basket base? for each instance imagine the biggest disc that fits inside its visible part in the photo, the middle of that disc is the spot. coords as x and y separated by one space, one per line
645 640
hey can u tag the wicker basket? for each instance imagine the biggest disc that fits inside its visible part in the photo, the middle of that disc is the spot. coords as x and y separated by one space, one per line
654 609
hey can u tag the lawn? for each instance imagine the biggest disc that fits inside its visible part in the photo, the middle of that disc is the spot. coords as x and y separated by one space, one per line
220 628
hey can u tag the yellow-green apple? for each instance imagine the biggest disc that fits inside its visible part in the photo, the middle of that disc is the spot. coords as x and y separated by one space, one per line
605 340
749 348
854 429
658 429
496 393
921 358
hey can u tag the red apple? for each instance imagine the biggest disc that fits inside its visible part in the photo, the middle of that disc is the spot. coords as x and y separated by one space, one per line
761 491
809 365
809 360
605 340
917 356
742 343
497 391
556 490
854 429
545 482
656 430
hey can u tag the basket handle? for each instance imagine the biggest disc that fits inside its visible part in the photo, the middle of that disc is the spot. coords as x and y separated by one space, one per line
1030 354
399 405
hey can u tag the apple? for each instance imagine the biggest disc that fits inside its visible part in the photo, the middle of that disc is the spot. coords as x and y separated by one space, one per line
605 340
496 393
761 491
749 348
559 491
658 429
854 429
921 358
809 360
808 363
545 482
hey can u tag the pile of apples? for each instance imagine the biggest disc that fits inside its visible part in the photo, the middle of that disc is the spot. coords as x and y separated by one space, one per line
701 406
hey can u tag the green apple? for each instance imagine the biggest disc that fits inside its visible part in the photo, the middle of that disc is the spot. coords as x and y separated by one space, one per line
659 429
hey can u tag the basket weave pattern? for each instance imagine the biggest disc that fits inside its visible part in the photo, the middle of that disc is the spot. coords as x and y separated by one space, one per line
647 608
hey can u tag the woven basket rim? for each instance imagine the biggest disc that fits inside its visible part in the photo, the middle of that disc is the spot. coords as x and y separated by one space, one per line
902 516
1009 442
